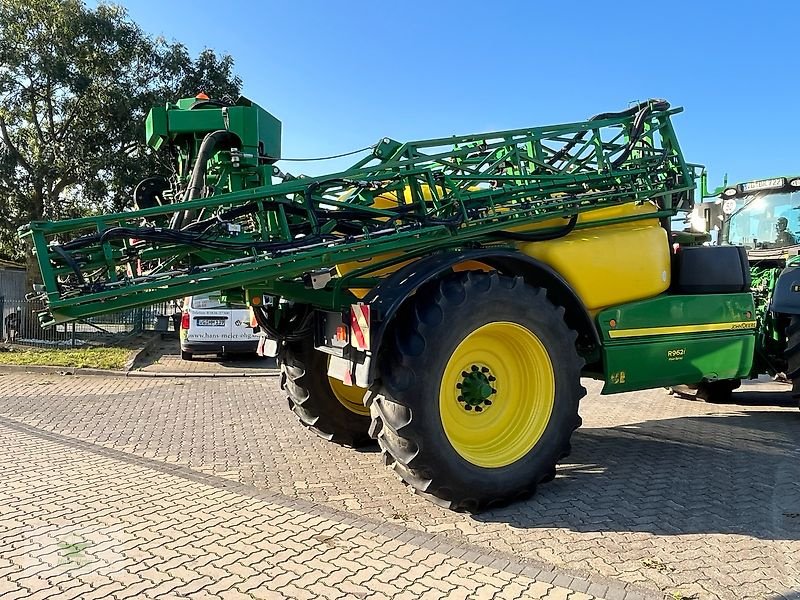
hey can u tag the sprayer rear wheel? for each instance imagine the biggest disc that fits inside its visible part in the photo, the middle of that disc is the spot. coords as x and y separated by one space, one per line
478 391
324 405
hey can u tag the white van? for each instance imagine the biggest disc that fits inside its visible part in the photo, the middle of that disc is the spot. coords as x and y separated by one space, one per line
210 326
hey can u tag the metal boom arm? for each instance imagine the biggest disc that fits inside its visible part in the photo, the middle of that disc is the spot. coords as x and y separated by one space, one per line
403 199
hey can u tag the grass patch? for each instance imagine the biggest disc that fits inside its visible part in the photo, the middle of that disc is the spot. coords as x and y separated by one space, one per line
87 358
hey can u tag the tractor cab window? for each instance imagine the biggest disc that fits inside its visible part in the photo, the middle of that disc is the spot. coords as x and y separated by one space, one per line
766 221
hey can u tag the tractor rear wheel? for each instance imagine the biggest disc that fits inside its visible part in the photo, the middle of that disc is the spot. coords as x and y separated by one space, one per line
478 391
328 407
793 354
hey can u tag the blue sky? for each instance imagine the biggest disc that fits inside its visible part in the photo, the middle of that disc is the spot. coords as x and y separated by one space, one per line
340 75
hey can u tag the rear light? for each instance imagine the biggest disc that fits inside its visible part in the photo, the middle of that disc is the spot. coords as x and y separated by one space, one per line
341 333
185 321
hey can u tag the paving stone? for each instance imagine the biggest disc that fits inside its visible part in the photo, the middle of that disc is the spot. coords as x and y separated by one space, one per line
156 474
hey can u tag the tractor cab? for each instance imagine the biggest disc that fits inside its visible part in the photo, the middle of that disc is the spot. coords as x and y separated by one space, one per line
761 215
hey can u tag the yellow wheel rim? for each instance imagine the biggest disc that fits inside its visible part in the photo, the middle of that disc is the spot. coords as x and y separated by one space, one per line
497 394
350 396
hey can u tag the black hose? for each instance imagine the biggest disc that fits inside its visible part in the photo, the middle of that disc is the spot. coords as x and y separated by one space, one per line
654 104
297 333
207 148
71 263
641 110
519 236
79 242
203 240
646 109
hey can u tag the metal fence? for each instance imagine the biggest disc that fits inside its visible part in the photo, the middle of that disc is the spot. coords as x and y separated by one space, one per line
19 325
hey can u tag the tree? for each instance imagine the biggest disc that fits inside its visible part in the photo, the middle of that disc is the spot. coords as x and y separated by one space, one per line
75 85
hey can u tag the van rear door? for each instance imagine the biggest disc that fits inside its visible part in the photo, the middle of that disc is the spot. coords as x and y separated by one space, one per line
241 331
210 319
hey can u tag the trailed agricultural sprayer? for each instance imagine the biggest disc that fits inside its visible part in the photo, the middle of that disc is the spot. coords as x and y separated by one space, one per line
442 296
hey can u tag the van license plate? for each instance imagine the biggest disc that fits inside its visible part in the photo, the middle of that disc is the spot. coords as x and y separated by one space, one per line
211 322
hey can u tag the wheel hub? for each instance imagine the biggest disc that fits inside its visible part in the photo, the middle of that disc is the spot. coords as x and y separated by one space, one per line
476 388
505 370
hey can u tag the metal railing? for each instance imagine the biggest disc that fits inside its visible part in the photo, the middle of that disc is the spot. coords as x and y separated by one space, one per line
19 325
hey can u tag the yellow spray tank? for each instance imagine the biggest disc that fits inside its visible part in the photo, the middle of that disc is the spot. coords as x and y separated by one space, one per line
605 265
610 264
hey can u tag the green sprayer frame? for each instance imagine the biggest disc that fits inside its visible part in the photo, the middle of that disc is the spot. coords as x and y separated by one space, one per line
456 192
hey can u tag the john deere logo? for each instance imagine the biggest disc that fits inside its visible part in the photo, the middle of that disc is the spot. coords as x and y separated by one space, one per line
676 354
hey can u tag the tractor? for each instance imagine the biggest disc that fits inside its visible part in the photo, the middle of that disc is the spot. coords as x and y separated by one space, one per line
444 296
762 216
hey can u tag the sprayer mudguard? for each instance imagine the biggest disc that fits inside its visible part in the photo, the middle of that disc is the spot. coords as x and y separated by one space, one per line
386 299
786 297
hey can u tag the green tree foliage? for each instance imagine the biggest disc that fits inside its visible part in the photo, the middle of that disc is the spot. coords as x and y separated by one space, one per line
75 85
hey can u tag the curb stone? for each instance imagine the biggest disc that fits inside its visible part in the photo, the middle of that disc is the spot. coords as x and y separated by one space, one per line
5 369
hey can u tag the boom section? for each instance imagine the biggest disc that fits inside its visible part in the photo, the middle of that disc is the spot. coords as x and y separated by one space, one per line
403 199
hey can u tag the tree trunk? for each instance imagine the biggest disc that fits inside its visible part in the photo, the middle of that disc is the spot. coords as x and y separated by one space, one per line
33 275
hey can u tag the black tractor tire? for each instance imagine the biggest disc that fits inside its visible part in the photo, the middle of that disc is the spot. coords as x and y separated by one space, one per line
186 355
406 404
717 392
304 377
793 354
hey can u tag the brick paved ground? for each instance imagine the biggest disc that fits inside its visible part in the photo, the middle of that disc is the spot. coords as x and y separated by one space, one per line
78 524
660 494
165 357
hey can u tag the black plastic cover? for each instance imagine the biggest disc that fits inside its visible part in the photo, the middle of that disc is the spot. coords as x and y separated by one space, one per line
711 270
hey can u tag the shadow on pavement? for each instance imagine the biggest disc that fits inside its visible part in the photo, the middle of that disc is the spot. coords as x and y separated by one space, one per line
779 395
768 398
724 473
